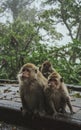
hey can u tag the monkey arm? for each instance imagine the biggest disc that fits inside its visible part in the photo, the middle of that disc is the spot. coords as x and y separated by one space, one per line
24 106
48 103
23 102
69 104
51 102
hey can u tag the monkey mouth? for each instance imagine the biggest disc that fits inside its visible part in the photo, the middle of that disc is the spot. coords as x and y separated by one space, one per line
51 85
24 77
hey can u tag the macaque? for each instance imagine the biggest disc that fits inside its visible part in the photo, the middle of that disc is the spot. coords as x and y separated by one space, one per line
57 94
32 84
46 69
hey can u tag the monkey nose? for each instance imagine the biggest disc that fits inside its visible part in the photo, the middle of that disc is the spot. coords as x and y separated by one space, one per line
49 84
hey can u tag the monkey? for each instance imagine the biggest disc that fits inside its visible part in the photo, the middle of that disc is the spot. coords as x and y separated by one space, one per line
46 68
32 84
57 95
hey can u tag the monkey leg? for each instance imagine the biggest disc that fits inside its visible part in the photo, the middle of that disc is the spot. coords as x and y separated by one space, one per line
52 104
24 109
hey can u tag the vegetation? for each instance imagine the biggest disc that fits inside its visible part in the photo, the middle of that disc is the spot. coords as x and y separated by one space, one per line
22 39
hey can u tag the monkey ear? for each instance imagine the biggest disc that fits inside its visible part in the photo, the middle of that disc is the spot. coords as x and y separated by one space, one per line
61 79
39 68
35 70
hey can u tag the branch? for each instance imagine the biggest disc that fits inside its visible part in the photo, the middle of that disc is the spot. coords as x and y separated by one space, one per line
28 2
28 42
64 20
14 41
30 39
78 35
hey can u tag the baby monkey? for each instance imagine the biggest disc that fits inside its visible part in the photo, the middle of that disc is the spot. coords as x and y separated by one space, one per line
57 94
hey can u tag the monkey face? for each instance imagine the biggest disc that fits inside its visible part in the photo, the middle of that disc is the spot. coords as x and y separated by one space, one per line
53 83
28 72
54 80
47 66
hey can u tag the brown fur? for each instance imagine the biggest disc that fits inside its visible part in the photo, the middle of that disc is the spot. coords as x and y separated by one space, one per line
32 83
57 94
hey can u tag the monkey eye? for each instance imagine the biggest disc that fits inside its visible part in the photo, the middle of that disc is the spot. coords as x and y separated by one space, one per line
25 69
35 70
61 79
53 79
44 65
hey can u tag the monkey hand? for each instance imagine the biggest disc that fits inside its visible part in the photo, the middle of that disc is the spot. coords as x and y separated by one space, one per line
24 111
55 114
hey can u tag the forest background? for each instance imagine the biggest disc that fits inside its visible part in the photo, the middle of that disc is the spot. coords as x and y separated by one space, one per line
30 34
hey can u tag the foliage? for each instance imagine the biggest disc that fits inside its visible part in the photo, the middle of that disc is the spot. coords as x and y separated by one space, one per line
14 43
14 6
67 12
22 41
67 61
77 95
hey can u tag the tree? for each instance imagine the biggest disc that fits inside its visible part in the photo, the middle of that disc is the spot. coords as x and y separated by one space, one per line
17 40
19 9
15 7
21 43
67 12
